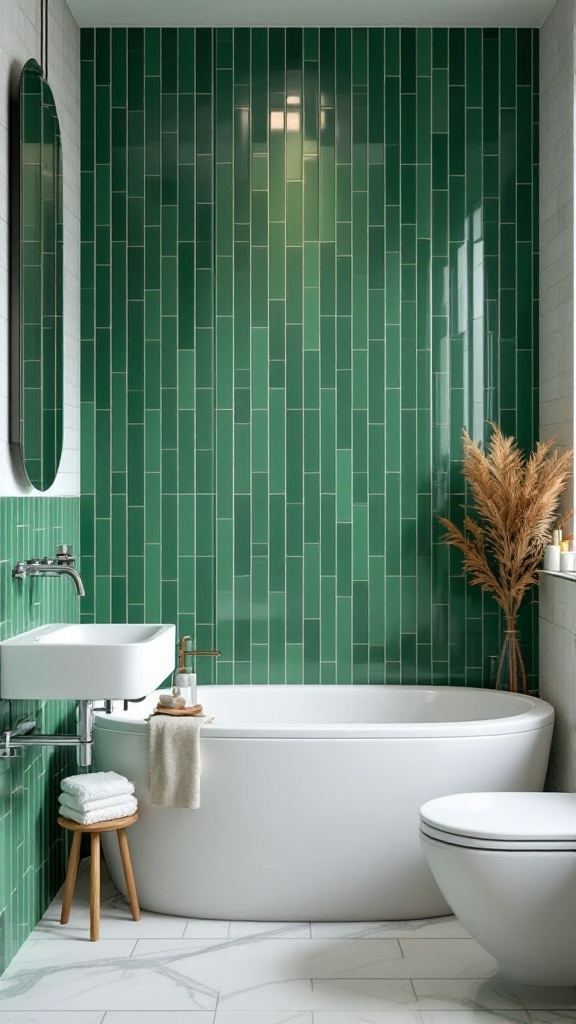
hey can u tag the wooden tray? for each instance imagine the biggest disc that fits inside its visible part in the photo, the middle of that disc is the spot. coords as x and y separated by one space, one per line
195 710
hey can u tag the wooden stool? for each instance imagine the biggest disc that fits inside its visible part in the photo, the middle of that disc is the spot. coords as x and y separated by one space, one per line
119 825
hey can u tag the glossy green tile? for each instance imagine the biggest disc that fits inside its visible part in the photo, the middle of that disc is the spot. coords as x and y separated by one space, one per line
508 166
102 55
32 847
473 65
408 123
457 136
490 59
439 100
527 56
300 237
440 47
456 55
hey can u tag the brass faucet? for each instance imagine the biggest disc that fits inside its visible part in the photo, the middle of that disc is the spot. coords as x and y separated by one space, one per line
183 653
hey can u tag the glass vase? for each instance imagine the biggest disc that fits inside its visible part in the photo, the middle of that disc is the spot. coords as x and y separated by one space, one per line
511 671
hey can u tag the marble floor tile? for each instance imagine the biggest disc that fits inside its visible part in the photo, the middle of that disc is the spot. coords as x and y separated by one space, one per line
269 929
427 928
112 989
248 973
320 995
491 994
262 1017
115 922
288 996
433 958
397 1016
193 961
354 958
197 928
251 960
427 1017
159 1017
404 1016
552 1016
67 952
365 994
257 961
255 974
171 970
41 1017
102 976
475 1017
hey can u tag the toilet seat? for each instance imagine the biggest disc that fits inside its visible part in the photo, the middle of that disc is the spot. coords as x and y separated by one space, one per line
502 821
506 865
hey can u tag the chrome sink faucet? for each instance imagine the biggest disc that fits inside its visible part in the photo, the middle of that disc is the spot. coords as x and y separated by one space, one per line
61 565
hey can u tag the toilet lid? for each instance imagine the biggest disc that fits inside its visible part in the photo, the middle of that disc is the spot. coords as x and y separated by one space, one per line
503 817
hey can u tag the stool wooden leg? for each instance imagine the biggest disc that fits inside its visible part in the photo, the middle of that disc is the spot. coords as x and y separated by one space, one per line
70 877
128 873
94 886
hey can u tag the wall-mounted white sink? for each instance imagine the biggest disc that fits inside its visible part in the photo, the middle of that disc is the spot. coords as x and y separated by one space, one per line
89 661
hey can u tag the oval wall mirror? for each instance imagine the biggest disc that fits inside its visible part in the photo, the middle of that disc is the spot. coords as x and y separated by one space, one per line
36 350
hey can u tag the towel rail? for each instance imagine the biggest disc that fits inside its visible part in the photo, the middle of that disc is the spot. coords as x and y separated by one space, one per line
12 741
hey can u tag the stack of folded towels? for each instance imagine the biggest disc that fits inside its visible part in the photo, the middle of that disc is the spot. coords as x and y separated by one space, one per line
101 796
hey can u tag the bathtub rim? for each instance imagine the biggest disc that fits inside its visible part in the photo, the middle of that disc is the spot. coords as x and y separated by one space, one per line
539 714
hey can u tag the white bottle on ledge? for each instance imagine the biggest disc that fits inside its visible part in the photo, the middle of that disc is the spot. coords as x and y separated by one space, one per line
552 557
185 686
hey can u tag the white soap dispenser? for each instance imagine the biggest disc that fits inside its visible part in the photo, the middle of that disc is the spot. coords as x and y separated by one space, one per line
184 685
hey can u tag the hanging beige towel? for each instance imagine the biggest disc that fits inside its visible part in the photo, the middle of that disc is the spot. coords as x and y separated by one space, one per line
174 760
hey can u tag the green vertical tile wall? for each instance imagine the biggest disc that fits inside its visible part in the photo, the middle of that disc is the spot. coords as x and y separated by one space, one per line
32 853
308 261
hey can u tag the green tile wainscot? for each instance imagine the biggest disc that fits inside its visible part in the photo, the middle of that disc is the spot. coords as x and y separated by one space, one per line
32 853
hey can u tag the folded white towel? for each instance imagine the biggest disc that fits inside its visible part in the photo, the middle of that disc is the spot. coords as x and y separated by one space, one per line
85 806
97 786
129 806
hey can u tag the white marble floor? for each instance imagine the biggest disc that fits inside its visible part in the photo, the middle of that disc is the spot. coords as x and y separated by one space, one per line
170 970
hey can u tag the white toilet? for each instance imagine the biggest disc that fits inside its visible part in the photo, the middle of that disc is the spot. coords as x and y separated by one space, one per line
506 864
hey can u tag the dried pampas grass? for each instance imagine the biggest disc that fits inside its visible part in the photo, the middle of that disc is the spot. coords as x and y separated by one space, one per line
515 509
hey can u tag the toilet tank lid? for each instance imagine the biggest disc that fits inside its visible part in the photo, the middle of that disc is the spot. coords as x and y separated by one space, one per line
506 816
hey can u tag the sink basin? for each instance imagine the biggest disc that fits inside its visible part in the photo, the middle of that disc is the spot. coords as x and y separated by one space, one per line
89 661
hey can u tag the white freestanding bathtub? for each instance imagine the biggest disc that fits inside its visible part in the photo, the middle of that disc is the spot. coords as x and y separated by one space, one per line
310 796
